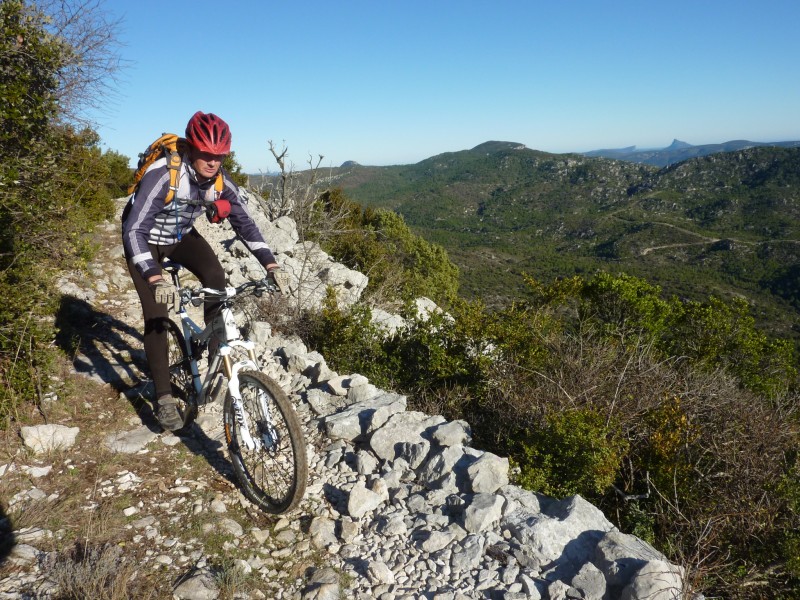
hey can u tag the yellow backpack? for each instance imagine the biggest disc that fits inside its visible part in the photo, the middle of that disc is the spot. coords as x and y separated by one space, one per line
171 146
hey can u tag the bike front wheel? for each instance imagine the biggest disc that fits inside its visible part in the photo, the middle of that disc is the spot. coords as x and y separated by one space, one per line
269 456
180 373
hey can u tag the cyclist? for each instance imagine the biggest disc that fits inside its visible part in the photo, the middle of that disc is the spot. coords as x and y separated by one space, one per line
153 230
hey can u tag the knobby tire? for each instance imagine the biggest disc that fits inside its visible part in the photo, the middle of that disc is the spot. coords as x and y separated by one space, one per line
273 479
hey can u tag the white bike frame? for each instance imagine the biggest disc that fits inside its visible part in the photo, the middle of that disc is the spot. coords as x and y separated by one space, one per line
224 326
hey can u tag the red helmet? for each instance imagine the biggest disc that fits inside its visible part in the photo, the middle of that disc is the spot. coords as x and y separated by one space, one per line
209 133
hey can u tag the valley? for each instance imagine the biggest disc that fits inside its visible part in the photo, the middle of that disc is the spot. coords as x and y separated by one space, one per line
725 224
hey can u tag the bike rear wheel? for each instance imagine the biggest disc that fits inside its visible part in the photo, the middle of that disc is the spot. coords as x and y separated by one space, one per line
273 474
180 373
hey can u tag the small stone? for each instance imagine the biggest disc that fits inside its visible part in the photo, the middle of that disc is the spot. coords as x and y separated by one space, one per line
37 472
22 554
260 535
231 527
379 572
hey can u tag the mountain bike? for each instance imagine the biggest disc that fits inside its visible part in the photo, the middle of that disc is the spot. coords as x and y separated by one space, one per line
265 441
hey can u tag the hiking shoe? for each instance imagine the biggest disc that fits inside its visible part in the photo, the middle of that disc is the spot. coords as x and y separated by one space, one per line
167 413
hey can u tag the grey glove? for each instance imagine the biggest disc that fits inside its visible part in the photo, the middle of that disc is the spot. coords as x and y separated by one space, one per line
163 291
279 279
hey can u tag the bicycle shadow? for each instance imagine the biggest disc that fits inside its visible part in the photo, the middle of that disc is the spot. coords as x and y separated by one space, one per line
109 351
100 344
211 447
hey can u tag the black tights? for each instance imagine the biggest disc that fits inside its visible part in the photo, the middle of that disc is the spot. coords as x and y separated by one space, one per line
194 253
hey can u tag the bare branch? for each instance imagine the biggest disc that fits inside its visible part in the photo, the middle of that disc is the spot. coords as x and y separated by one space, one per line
92 60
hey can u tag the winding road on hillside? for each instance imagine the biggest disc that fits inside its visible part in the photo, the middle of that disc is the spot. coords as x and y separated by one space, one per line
705 239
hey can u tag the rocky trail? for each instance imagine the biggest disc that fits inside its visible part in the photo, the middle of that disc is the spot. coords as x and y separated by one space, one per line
99 502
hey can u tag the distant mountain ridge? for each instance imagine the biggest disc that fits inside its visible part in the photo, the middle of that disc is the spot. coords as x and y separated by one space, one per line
676 152
725 223
679 151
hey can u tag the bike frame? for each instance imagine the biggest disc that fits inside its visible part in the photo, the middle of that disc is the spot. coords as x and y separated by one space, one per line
223 327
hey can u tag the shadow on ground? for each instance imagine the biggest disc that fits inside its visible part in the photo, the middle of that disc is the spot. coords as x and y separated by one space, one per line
100 344
6 536
109 351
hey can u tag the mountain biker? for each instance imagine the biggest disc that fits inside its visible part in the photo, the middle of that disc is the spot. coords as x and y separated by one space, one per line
153 230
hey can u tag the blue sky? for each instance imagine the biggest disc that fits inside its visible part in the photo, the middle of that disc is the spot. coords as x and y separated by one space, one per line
386 83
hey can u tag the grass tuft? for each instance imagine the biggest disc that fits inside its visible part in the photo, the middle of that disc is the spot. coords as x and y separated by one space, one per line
98 572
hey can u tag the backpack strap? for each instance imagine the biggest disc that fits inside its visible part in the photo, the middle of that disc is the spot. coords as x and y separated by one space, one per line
174 165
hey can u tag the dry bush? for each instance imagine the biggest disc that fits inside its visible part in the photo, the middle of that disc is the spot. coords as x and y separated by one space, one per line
622 382
92 63
99 572
730 509
705 457
283 313
292 193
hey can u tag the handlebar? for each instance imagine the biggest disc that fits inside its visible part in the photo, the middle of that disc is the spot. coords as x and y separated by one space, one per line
197 296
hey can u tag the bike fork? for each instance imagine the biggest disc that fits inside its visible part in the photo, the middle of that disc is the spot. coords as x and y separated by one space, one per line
267 434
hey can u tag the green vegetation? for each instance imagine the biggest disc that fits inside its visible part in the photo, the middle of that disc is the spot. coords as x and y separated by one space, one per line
378 243
726 225
55 185
678 418
234 169
572 452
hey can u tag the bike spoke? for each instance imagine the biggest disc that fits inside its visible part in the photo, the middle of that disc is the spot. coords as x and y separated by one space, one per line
273 473
272 470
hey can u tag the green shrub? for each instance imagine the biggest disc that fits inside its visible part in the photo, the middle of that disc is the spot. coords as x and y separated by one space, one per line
350 342
667 438
625 305
118 174
712 334
234 169
378 243
31 60
56 186
442 350
790 549
574 452
717 334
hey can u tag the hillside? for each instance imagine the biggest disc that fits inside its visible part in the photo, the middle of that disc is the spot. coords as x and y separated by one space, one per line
723 224
679 151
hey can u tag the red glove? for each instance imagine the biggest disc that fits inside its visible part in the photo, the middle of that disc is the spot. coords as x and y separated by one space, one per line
218 211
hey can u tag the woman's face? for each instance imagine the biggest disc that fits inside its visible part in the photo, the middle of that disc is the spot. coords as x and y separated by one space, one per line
205 164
